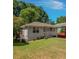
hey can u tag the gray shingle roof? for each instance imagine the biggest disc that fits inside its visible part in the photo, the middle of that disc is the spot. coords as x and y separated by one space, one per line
37 24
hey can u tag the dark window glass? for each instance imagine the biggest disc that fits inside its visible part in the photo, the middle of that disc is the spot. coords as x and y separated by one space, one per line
33 29
50 29
37 30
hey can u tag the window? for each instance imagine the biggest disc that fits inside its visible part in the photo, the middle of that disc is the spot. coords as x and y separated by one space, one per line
50 29
35 30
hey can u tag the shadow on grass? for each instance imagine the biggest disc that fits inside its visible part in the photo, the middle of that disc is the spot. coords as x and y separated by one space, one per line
20 44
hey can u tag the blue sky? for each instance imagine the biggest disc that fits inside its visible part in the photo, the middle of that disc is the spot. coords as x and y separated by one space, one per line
54 8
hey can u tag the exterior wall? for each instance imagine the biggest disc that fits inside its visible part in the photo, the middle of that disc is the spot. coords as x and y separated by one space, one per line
24 35
35 35
41 33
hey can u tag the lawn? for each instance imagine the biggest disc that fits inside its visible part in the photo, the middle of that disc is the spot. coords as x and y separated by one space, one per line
52 48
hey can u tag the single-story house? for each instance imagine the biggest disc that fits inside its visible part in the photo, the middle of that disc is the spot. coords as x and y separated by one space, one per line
36 30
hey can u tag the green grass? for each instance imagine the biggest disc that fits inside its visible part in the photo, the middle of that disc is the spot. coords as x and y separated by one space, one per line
52 48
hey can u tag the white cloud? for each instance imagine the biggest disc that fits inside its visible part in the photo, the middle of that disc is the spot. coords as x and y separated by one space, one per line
54 4
57 5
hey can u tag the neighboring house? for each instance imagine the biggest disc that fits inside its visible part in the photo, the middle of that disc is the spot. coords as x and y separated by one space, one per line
36 30
61 26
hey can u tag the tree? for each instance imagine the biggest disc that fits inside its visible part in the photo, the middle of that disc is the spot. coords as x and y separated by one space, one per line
17 22
17 7
37 13
44 17
53 22
62 30
29 14
34 14
61 19
15 4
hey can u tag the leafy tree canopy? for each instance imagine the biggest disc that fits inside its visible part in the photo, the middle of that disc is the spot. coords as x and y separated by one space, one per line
29 12
17 22
61 19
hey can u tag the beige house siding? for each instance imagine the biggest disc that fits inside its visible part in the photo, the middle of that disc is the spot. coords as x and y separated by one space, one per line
34 35
25 34
41 33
